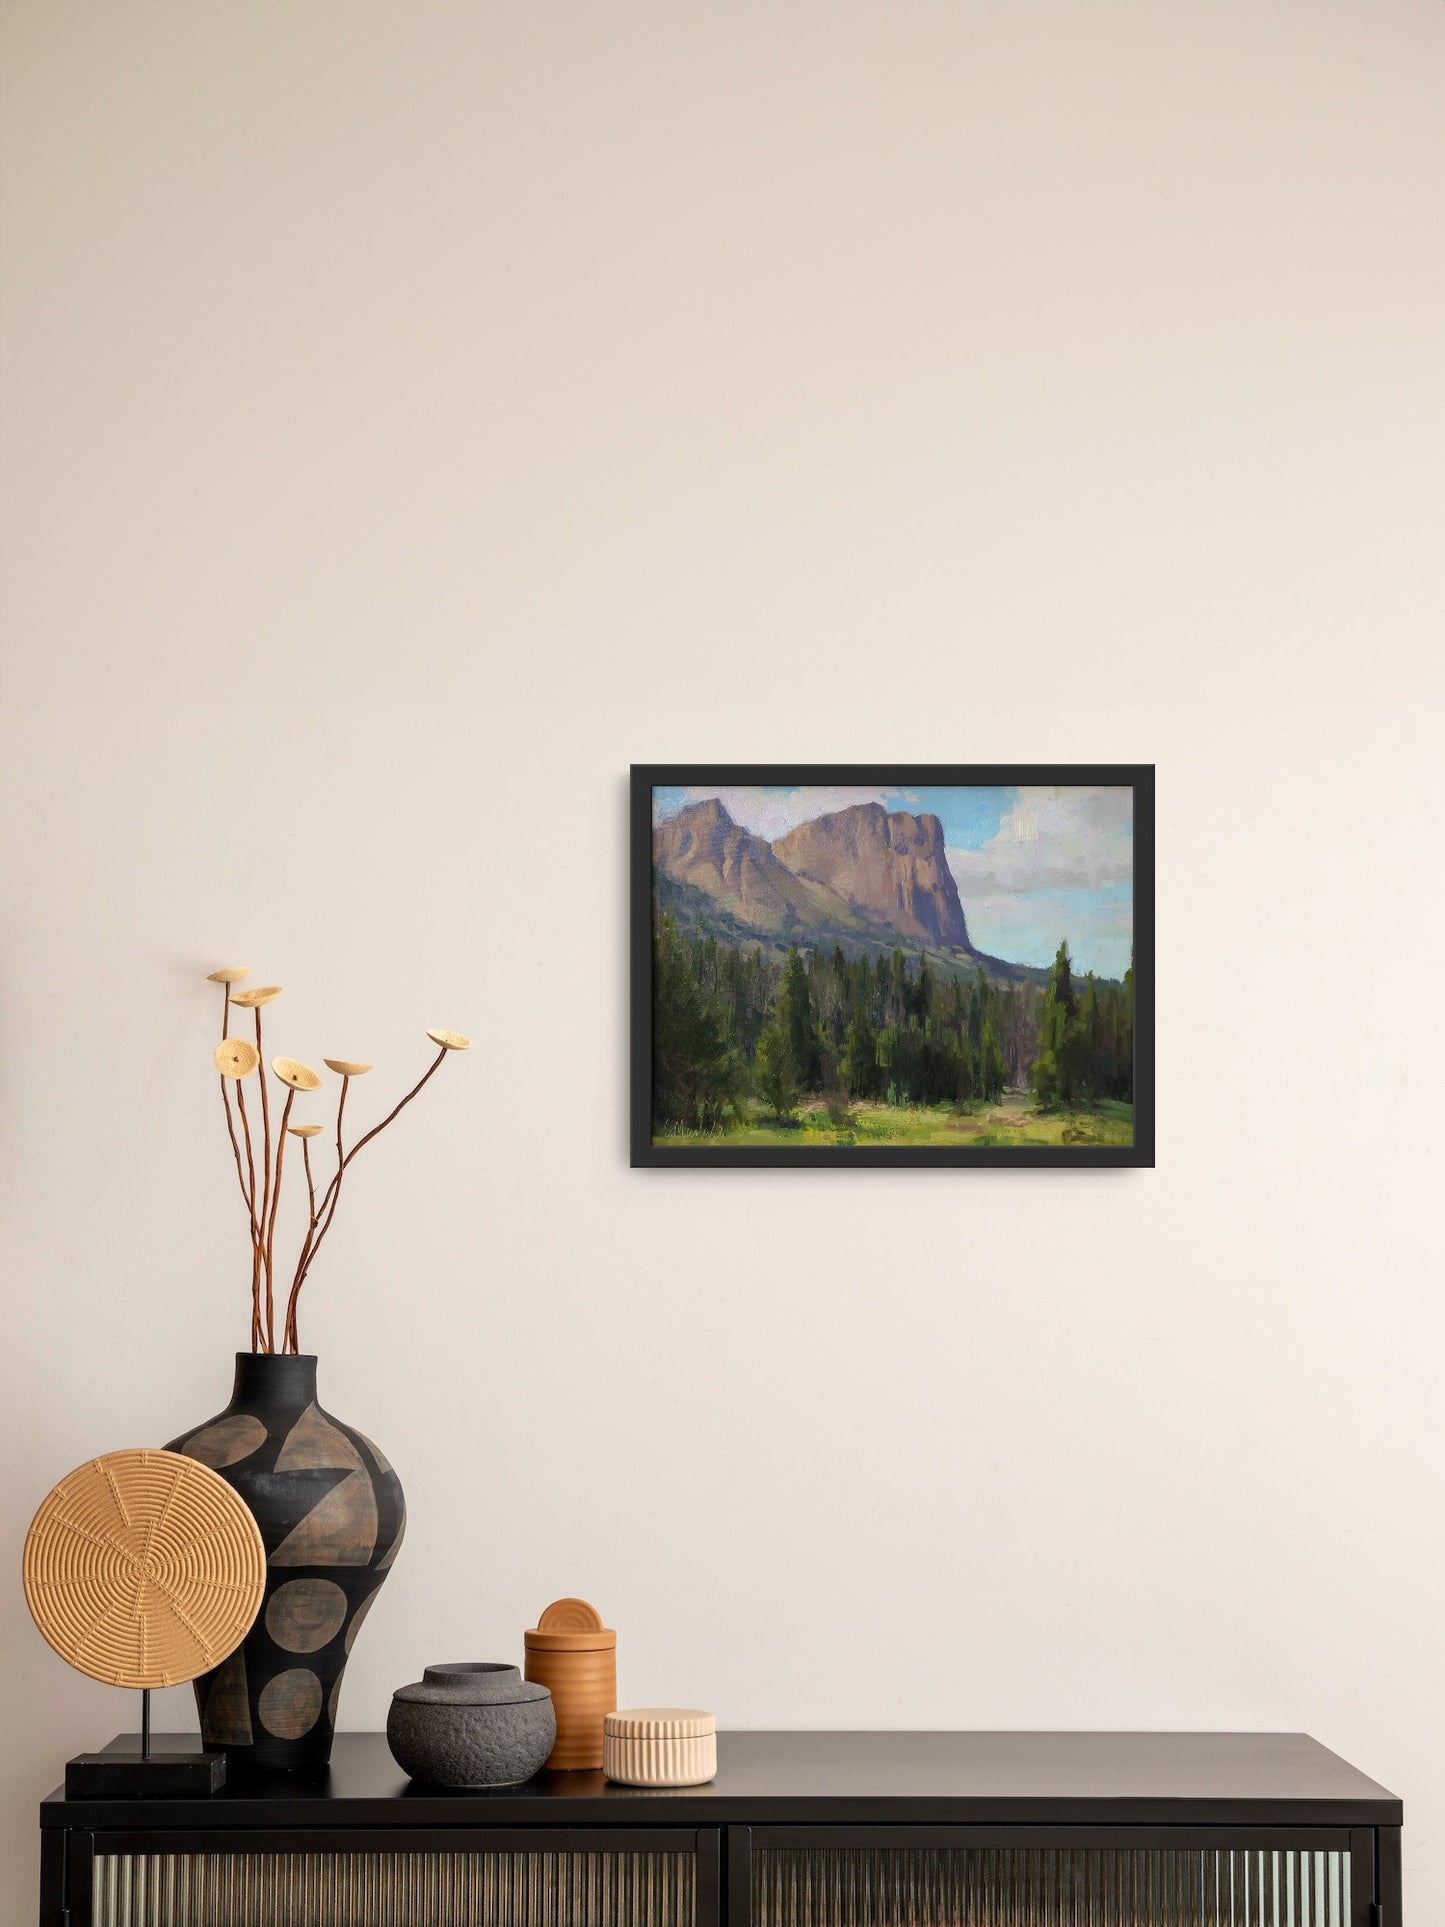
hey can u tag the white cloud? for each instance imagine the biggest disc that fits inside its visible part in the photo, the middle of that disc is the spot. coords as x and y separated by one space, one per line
1057 838
1061 864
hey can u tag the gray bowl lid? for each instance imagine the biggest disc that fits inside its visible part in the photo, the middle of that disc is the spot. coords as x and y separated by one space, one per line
482 1682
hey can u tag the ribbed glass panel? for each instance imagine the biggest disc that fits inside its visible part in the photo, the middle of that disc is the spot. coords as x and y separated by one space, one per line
1048 1887
394 1890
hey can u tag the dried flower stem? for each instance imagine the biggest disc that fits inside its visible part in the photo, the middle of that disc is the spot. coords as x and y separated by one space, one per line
310 1182
271 1225
231 1122
263 1251
315 1235
261 1191
377 1128
289 1341
333 1190
248 1189
256 1333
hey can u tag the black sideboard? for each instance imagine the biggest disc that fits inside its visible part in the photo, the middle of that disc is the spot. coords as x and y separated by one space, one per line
797 1830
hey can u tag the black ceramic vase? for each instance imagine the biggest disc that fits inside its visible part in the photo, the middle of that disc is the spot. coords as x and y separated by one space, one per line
332 1516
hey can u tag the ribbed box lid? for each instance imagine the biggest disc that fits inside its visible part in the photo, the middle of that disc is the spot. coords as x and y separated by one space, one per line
659 1723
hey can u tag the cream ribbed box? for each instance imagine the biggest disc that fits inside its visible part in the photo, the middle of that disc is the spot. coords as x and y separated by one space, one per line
660 1746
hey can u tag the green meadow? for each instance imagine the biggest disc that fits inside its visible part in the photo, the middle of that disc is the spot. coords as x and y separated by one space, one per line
1015 1118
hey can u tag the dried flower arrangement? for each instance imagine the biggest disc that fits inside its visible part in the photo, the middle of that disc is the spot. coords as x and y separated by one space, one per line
236 1058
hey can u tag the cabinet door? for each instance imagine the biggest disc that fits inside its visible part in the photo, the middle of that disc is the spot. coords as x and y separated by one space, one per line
533 1878
1031 1877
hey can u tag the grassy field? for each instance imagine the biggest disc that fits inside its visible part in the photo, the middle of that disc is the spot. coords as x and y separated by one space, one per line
1014 1119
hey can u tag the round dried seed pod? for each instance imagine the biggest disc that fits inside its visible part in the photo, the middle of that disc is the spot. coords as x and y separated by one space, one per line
263 995
232 974
344 1067
236 1058
304 1130
450 1039
299 1076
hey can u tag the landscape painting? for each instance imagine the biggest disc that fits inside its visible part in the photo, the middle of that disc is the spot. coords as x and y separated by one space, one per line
922 966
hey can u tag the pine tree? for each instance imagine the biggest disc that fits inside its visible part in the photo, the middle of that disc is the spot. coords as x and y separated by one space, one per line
966 1070
898 990
859 1067
990 1063
1054 1071
775 1070
796 1005
925 991
1125 1086
695 1077
1096 1045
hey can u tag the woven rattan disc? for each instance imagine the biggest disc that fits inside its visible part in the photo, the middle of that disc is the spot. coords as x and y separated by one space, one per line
144 1569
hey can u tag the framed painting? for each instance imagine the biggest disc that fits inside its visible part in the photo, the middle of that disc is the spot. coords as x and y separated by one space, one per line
885 965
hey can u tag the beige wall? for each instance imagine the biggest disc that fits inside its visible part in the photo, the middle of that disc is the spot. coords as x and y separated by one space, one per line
414 414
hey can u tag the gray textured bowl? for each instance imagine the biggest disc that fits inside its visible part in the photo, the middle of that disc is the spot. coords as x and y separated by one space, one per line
471 1724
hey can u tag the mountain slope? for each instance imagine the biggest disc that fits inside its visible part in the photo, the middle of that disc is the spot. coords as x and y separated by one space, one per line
860 877
697 915
890 868
703 847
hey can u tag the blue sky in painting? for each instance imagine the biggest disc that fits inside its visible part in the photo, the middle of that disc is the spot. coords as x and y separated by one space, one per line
1033 865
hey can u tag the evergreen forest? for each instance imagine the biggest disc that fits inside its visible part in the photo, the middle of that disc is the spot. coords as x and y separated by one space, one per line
816 1046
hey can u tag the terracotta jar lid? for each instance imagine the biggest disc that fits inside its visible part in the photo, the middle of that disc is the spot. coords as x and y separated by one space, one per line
569 1626
660 1723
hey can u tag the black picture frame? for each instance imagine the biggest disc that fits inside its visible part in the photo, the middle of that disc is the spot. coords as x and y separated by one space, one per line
645 1154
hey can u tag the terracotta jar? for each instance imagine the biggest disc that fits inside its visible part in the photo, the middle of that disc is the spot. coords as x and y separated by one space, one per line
574 1655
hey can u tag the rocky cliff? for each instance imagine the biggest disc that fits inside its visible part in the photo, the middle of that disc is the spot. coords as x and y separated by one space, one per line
703 846
889 867
860 869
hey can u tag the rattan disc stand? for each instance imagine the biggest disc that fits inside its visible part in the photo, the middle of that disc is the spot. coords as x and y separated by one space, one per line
144 1569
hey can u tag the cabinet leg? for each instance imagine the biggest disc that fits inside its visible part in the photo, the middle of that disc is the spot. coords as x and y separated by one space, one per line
52 1877
738 1885
1389 1878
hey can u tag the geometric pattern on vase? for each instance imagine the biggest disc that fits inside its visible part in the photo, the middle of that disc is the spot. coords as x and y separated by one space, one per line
314 1441
339 1530
332 1515
226 1712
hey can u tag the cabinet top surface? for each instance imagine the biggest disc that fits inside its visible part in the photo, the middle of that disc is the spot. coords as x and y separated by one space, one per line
817 1778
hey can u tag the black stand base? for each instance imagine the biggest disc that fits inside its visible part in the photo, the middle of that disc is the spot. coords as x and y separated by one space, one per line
136 1776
